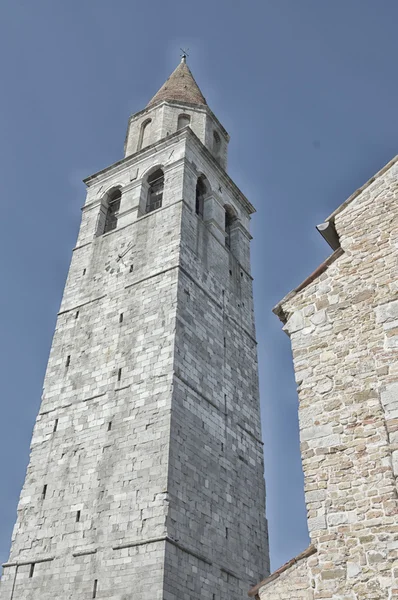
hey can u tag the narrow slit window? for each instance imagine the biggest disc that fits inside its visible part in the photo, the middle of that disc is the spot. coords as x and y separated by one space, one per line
226 532
67 361
32 569
44 492
121 318
119 374
95 588
77 314
131 268
200 197
55 425
78 516
155 191
109 425
229 219
84 271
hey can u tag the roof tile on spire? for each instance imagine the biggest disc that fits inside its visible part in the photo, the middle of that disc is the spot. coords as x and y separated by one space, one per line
180 86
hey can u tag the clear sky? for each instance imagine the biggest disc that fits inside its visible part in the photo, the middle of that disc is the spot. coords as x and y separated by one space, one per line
307 90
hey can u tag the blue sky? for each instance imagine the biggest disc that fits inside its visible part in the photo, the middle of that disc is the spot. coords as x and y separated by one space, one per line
308 92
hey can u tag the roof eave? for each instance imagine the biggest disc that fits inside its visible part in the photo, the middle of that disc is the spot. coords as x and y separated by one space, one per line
362 188
253 592
278 310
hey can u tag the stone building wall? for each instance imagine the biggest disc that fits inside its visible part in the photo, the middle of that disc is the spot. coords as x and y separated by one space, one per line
101 440
215 418
292 581
343 326
164 121
147 447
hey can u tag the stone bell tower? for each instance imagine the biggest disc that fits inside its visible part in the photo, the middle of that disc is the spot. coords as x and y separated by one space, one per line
145 479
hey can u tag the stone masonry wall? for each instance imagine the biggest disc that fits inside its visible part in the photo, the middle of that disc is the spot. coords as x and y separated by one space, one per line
293 584
146 469
216 461
164 121
216 486
343 328
101 440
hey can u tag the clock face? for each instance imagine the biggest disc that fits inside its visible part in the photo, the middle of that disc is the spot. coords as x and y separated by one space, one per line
121 262
118 265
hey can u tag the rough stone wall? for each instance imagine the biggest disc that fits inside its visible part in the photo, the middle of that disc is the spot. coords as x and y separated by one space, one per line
216 460
293 584
101 441
127 486
344 334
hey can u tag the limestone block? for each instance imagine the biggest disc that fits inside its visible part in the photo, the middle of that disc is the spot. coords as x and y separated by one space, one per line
389 399
387 312
325 442
339 518
301 376
324 386
391 341
314 432
295 323
353 570
395 462
319 317
317 523
315 495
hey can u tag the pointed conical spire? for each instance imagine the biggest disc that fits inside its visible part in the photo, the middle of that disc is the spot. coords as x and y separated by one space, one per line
180 86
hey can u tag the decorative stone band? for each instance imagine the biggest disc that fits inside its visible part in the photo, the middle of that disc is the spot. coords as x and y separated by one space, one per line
182 547
140 543
66 310
188 551
228 572
164 538
94 397
305 554
20 563
85 552
124 387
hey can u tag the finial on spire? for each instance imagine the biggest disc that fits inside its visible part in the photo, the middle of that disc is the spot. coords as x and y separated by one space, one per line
184 55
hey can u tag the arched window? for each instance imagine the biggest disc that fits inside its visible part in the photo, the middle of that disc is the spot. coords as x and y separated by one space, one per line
144 134
155 191
183 121
201 191
229 219
216 144
112 211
